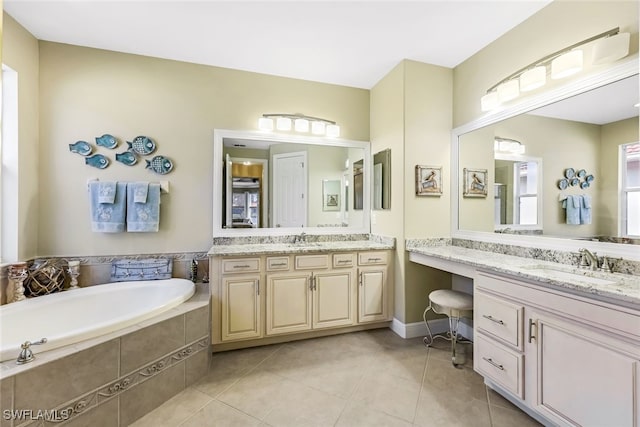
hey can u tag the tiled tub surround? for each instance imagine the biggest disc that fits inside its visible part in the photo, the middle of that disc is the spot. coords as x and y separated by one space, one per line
96 270
545 267
116 378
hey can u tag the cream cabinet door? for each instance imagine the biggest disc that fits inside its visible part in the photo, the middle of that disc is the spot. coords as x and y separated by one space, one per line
241 307
288 303
584 377
372 294
333 299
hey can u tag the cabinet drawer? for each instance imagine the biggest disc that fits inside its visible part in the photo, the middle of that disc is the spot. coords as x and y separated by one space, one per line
342 260
372 258
277 263
499 318
501 365
310 262
241 265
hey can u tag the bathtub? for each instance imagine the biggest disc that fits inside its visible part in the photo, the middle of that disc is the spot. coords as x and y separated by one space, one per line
72 316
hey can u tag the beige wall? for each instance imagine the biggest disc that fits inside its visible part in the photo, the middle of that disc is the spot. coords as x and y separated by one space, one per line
558 25
612 136
387 131
87 92
411 114
427 127
20 53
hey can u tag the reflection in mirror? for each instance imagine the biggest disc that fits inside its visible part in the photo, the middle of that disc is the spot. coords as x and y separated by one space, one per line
382 179
584 133
269 182
358 187
331 195
517 194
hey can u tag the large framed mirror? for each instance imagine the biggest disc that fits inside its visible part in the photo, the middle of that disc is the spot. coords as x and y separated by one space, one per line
582 127
271 184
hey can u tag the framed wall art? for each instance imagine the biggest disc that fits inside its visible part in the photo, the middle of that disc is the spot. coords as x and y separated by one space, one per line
475 182
428 180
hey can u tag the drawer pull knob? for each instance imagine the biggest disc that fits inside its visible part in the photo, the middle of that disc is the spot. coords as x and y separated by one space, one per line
278 264
491 362
342 261
500 322
241 266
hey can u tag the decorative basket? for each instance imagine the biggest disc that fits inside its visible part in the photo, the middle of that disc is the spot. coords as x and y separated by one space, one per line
45 277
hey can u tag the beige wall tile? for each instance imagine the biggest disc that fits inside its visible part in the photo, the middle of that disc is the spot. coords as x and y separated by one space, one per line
49 385
197 324
6 400
104 415
150 394
144 346
196 367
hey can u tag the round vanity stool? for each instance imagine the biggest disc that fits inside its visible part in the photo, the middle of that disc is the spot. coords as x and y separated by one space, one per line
455 305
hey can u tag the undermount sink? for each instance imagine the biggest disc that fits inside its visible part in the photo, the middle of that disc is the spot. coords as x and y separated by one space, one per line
562 274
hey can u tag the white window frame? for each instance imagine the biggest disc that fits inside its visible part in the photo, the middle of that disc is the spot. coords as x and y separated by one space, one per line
624 191
9 169
517 196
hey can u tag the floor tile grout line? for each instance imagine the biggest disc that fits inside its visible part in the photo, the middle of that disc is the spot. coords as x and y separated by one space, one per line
212 399
486 390
424 376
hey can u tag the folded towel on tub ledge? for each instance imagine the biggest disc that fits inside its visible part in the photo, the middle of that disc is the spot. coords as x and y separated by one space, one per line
107 217
143 217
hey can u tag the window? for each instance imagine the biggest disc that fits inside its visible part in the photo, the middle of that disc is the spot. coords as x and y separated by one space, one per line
9 171
630 189
526 193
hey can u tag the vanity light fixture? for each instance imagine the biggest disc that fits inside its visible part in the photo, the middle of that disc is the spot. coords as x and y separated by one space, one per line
508 145
300 123
608 47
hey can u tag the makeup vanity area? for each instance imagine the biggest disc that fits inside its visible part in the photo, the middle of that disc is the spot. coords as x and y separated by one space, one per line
559 341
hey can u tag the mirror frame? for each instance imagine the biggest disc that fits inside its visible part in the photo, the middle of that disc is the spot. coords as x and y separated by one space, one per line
592 80
218 137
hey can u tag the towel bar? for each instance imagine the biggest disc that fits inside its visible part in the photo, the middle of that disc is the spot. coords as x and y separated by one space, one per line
164 185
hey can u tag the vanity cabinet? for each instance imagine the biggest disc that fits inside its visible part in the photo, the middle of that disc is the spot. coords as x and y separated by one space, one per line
314 296
571 360
272 296
373 301
240 299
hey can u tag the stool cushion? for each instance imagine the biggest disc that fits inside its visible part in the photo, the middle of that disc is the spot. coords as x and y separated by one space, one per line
452 303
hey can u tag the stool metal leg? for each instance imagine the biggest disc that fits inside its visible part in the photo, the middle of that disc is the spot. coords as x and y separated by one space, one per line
451 335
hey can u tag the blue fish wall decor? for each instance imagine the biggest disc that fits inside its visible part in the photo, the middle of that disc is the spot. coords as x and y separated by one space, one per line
142 145
97 161
160 164
81 147
128 158
107 141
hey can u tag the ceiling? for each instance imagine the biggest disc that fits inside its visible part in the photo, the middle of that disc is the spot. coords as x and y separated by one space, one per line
351 43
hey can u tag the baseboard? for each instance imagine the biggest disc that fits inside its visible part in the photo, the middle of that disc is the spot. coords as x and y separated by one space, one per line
419 329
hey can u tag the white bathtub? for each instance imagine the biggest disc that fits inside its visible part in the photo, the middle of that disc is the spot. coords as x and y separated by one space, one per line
69 317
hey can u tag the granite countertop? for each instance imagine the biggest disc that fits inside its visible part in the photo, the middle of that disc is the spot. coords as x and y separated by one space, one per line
298 248
618 288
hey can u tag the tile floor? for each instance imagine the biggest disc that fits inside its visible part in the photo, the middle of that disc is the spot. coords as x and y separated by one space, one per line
372 378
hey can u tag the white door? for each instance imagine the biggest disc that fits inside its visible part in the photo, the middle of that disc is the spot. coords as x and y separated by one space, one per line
290 189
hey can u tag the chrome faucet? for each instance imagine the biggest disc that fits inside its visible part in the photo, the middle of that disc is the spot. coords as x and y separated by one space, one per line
588 260
26 355
301 238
